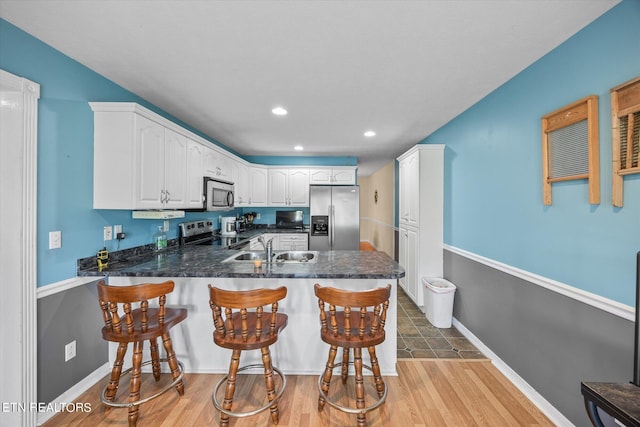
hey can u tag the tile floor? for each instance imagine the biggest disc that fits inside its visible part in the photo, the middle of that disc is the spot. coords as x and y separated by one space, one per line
417 338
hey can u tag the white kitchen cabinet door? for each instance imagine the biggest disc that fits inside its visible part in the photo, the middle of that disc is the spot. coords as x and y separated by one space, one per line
162 174
409 190
289 187
320 176
195 167
240 178
258 182
407 258
278 187
332 176
299 187
175 170
344 176
149 140
217 165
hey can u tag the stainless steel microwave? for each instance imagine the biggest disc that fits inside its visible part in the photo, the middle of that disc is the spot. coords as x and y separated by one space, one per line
218 195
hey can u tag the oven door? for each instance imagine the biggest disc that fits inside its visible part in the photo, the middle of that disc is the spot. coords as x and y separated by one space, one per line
219 195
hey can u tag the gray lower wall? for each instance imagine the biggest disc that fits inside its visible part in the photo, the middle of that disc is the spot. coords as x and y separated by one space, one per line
553 342
70 315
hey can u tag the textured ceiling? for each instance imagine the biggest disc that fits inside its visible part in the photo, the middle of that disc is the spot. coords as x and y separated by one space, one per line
400 68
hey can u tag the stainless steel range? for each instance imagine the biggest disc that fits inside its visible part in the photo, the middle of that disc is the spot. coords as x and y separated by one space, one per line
202 232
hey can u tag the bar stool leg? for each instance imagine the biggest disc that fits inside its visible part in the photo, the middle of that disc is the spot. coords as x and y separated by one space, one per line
345 365
357 363
375 368
326 377
112 387
134 387
155 362
173 362
231 387
268 377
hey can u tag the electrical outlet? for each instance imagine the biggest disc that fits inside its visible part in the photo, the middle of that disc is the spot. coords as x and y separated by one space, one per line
117 229
108 233
55 239
166 226
258 215
70 351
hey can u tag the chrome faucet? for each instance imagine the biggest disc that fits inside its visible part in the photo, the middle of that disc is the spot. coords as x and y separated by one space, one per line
268 248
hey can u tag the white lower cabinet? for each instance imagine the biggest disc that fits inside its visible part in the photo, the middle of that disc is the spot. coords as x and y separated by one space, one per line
293 242
408 259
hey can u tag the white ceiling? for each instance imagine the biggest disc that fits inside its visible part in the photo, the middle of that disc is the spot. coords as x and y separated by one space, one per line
400 68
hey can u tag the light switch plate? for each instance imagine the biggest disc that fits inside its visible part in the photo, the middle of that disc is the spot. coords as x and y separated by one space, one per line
55 239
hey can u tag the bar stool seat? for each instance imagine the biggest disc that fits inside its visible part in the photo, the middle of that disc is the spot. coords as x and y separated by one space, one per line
241 330
360 324
124 325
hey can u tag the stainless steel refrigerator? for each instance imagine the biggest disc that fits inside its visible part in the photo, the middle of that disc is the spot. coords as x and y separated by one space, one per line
335 217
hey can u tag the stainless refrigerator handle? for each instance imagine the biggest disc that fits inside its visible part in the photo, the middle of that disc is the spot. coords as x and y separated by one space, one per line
332 211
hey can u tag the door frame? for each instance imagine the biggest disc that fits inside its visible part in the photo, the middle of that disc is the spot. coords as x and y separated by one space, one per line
18 249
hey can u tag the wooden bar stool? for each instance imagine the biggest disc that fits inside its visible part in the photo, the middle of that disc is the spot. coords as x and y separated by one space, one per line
360 324
136 326
247 330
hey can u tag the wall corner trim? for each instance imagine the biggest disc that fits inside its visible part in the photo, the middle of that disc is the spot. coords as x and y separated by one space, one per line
613 307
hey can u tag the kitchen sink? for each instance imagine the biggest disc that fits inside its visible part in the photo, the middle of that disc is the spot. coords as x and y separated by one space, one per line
278 256
296 256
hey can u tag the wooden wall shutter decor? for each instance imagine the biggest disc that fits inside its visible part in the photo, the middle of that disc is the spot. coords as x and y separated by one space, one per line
570 147
625 140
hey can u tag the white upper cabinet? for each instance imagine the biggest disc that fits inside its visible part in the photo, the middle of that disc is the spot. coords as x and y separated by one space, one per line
138 162
257 186
409 189
333 176
195 184
242 184
288 187
144 161
217 165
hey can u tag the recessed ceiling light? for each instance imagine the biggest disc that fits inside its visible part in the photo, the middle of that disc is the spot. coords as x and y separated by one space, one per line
279 111
369 134
298 148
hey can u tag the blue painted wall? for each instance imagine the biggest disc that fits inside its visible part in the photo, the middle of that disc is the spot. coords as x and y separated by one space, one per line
65 155
493 182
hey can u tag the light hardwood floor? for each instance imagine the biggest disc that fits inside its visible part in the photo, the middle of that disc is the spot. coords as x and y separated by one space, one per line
426 392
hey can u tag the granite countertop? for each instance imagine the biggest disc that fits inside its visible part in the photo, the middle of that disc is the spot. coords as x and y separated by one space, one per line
205 261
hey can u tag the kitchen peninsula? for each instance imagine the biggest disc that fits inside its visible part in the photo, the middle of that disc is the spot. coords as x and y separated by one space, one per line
299 349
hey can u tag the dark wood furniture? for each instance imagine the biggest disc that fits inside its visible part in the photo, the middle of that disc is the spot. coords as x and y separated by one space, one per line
620 400
125 324
245 326
358 324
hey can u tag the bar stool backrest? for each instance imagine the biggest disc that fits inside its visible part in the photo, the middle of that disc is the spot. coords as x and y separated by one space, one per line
239 318
124 322
360 322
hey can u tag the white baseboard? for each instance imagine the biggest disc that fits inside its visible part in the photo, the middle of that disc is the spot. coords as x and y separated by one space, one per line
536 398
74 392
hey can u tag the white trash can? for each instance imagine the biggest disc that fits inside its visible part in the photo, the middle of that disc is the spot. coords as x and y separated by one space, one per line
438 301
